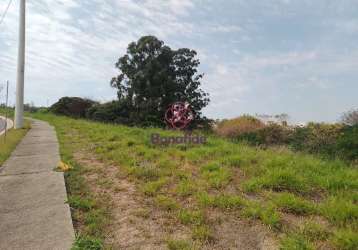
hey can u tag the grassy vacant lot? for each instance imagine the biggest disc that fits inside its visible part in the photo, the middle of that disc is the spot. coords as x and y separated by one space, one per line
13 137
127 193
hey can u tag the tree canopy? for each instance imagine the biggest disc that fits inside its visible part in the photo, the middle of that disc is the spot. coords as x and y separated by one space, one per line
153 76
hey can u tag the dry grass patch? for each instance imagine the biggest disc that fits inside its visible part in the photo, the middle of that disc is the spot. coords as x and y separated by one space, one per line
135 222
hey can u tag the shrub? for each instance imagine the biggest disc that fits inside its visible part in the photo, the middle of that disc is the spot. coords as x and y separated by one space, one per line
274 134
328 140
115 112
347 144
72 106
331 140
298 138
120 112
317 138
237 127
252 130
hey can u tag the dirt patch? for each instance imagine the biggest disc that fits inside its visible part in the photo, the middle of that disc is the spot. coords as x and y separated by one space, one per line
293 222
232 232
237 234
138 224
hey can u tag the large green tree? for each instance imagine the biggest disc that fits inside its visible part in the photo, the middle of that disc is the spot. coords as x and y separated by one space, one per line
152 76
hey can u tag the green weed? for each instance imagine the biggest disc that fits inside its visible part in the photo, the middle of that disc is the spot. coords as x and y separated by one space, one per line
295 242
346 239
278 180
217 176
87 243
185 188
340 211
265 213
146 172
314 232
179 245
227 201
153 187
292 204
195 217
166 203
76 201
202 233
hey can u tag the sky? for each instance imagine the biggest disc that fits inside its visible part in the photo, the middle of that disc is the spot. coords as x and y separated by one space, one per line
298 57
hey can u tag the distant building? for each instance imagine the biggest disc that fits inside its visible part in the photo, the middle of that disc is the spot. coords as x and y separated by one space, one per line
281 119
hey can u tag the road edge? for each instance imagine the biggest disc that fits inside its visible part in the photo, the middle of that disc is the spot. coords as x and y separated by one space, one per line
10 124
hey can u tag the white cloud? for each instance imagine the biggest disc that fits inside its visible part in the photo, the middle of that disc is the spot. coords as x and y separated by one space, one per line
279 59
72 46
225 28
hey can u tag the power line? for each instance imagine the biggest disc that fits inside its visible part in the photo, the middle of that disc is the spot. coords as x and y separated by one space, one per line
5 12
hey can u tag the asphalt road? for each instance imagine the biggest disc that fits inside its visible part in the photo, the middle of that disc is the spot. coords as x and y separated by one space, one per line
2 125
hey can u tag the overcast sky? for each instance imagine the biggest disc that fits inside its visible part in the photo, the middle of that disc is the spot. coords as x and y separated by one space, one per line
259 56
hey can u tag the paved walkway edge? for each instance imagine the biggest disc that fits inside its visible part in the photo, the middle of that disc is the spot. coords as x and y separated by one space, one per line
34 213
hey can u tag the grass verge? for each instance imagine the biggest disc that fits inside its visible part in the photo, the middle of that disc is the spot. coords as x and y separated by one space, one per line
202 186
13 137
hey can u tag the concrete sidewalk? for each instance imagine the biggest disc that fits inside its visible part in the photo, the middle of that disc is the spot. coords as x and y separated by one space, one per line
33 212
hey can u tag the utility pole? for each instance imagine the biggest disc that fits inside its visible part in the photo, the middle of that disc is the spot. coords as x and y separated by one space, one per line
6 107
19 108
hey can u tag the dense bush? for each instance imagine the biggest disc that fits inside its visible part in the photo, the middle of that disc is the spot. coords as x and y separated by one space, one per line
329 140
72 106
252 130
347 143
274 134
240 127
113 112
317 138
